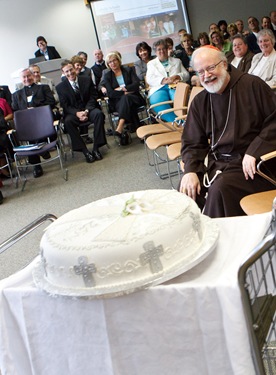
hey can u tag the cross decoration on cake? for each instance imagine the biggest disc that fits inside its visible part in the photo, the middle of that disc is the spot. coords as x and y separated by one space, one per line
151 256
86 270
196 224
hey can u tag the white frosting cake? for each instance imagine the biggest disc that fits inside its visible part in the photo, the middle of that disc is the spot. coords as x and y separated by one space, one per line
121 243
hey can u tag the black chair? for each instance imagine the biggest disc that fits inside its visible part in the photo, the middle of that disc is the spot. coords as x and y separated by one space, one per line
36 135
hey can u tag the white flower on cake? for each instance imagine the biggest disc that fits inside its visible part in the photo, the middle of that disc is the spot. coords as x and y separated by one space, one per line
135 206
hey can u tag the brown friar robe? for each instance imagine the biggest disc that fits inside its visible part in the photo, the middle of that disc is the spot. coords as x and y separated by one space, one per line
250 105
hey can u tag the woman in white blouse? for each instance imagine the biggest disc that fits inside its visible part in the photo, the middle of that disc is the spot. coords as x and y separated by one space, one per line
264 64
162 72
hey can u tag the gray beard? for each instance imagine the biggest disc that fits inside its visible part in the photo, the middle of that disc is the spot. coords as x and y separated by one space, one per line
216 86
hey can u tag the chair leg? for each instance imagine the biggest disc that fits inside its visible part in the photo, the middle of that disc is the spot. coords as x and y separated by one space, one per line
64 170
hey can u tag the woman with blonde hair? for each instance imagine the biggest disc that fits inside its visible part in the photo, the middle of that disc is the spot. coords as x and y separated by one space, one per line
122 85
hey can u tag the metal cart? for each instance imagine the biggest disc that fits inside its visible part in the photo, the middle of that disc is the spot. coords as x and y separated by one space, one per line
25 231
257 281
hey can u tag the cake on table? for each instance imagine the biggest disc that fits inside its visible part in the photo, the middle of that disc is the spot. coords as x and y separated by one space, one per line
123 243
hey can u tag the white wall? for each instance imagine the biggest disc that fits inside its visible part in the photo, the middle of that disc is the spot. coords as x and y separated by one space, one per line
66 24
203 12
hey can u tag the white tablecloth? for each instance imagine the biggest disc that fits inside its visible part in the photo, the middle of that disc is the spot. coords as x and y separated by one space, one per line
192 325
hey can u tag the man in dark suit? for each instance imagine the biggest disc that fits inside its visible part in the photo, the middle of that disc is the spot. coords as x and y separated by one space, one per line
253 25
49 53
78 98
99 66
32 95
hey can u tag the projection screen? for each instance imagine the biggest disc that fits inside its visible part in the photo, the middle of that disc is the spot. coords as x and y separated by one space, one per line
121 24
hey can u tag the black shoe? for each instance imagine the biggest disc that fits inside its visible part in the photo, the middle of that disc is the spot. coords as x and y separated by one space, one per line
46 155
109 132
117 134
88 140
90 158
97 155
1 197
38 171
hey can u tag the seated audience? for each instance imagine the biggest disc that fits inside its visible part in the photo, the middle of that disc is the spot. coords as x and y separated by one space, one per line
240 56
169 43
222 25
232 30
143 51
6 109
213 27
203 39
218 41
264 64
186 53
40 80
85 70
272 16
98 67
80 68
79 65
180 33
240 27
78 98
266 24
6 94
162 72
233 122
253 25
101 87
122 85
49 53
32 95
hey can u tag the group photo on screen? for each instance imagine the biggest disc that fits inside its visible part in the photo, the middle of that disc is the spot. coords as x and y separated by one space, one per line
121 30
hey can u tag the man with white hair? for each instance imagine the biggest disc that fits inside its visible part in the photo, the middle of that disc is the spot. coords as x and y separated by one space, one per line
232 123
40 80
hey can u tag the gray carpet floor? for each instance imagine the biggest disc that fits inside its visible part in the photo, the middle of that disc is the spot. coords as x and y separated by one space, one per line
123 169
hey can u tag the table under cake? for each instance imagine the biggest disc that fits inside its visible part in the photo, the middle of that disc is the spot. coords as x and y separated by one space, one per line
191 325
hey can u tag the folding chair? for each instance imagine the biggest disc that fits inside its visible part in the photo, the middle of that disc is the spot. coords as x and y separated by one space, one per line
158 141
179 104
174 154
36 134
179 107
7 163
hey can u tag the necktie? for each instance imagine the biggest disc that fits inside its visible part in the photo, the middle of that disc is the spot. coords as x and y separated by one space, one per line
76 87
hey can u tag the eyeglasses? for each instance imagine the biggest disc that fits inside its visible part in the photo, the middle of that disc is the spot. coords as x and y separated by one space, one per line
209 69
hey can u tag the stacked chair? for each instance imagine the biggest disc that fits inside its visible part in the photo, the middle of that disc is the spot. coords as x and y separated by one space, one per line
178 106
165 144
